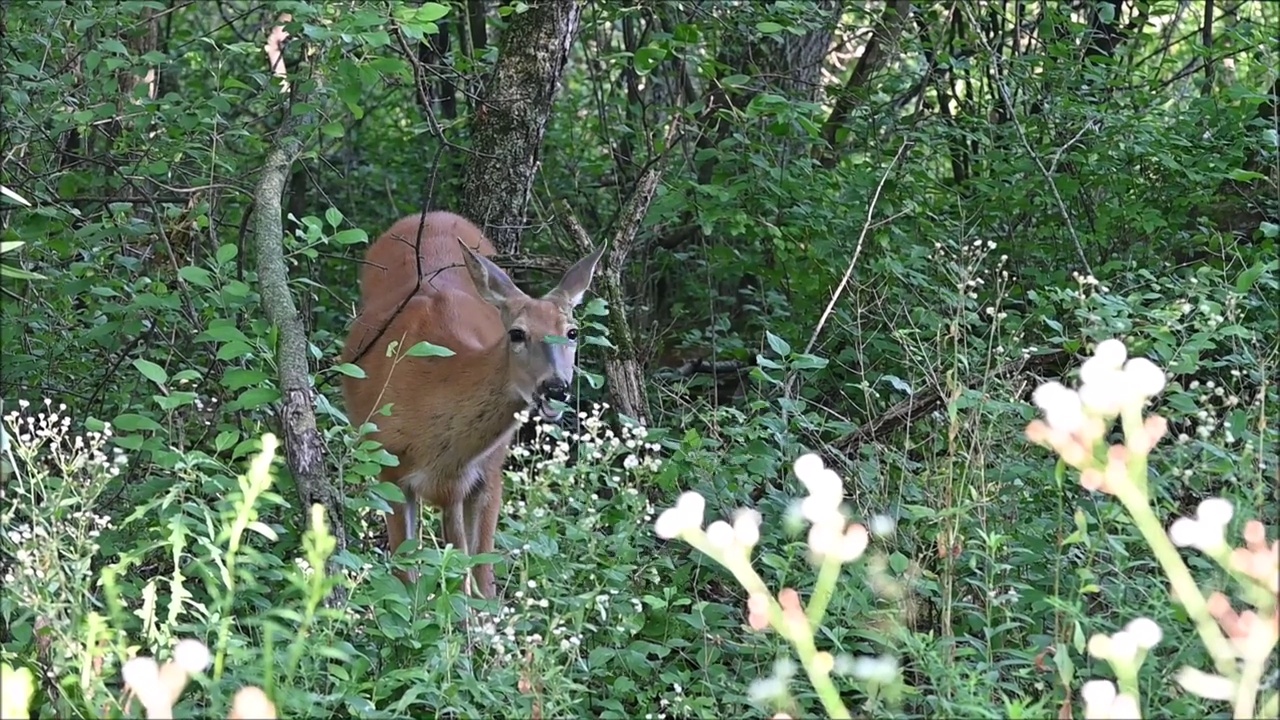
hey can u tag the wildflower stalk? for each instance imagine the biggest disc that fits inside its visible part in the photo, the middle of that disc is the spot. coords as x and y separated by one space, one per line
319 544
1184 586
1074 426
824 588
801 638
1247 687
252 485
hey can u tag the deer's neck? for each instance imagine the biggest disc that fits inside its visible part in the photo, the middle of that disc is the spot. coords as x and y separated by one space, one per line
489 417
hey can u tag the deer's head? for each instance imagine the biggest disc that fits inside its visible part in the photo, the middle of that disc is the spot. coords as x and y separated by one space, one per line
542 337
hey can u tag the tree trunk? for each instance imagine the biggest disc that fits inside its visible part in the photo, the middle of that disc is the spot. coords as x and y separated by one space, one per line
304 448
509 125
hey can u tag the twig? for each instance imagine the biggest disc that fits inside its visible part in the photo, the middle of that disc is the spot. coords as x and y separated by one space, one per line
853 261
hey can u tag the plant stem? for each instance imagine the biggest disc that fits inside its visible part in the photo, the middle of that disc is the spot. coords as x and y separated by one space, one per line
802 640
1134 498
823 589
1247 688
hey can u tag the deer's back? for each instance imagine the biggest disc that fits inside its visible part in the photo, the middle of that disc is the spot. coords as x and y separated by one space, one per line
436 401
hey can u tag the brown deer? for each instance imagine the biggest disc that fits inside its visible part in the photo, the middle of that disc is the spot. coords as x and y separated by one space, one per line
452 418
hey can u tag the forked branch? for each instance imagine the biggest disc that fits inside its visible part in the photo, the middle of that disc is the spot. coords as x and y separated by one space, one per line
622 367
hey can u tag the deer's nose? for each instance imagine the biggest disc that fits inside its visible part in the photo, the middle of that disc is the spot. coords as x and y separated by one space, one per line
555 389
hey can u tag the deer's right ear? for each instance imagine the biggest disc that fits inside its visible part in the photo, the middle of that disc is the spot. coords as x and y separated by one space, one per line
493 284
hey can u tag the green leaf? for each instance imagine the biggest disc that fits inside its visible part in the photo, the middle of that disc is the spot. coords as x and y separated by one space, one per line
262 529
226 440
18 273
227 253
196 276
735 80
768 27
6 192
351 236
333 216
234 350
898 562
351 370
1269 229
222 333
112 45
257 397
10 245
238 378
151 371
804 361
426 349
648 57
430 12
132 422
389 492
779 345
1247 278
1242 175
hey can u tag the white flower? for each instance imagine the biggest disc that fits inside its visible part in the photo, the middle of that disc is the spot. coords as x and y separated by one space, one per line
191 655
825 484
1184 531
141 672
1205 536
1145 632
1124 646
1144 377
883 525
1110 353
746 528
720 535
686 515
875 669
1105 392
854 543
1062 408
1098 693
807 465
1214 511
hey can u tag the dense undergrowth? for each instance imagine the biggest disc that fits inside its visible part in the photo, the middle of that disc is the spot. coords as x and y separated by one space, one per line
1017 227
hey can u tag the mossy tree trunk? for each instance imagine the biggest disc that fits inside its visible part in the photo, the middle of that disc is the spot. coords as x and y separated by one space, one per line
509 124
304 448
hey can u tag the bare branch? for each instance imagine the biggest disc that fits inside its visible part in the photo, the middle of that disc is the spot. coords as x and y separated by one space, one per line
275 52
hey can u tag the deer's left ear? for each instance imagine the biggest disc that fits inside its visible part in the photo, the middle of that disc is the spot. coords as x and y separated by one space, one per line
573 286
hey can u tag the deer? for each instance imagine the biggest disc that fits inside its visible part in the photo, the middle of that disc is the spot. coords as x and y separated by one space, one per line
452 418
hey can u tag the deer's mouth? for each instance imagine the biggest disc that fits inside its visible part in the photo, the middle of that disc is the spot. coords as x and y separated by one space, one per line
545 410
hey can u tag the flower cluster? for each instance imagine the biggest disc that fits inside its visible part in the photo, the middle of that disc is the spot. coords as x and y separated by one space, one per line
597 442
1076 420
829 533
1102 702
1126 646
1240 643
158 687
832 542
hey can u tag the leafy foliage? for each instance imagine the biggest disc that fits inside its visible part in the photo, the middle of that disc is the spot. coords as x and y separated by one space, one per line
1003 189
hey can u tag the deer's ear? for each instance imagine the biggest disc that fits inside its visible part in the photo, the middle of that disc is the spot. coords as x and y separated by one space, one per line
492 282
573 286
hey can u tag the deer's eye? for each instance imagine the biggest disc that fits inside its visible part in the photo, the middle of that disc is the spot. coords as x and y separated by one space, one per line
572 334
517 335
